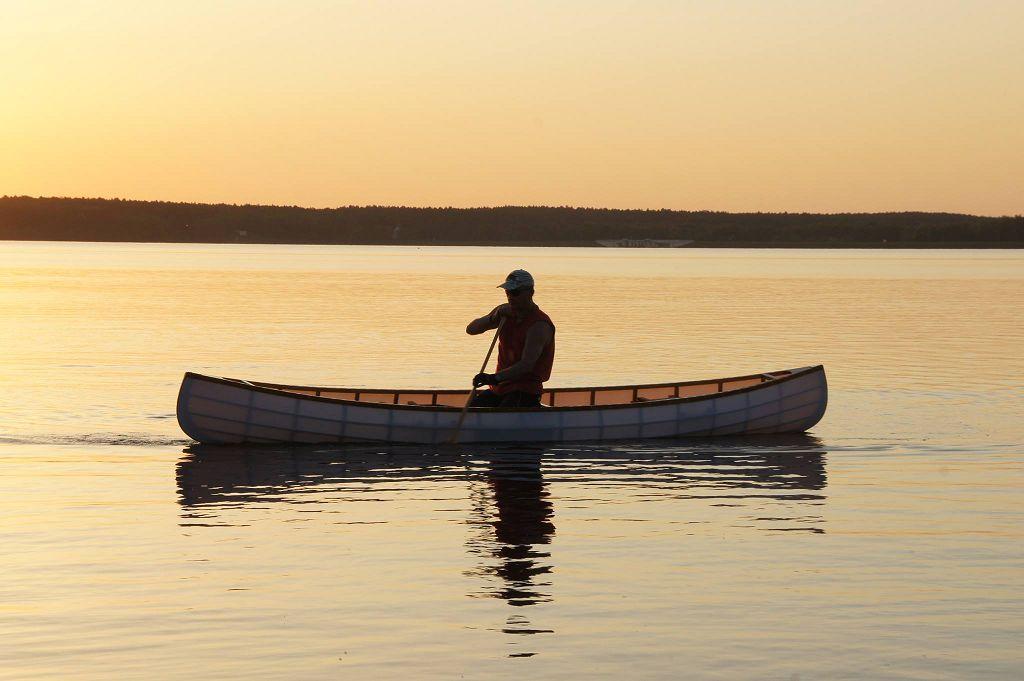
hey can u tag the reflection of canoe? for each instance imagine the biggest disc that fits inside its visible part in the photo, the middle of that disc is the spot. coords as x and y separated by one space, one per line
788 468
774 483
223 410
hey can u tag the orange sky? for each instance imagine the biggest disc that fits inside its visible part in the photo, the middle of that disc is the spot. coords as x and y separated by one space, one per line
737 105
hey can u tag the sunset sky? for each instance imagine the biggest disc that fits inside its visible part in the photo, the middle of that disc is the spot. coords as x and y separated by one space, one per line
737 105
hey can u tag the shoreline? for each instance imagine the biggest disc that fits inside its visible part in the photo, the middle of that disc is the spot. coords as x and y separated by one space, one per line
114 220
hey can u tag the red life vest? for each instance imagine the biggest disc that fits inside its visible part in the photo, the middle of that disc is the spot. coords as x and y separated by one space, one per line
512 342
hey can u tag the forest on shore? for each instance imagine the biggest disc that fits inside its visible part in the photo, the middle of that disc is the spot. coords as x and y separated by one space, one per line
86 219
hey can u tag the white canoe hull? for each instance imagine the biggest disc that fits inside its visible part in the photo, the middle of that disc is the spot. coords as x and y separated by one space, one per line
227 411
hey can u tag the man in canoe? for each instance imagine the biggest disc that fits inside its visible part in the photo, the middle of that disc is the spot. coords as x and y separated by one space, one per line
526 347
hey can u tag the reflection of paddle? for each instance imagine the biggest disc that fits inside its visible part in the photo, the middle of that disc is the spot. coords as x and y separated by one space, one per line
462 417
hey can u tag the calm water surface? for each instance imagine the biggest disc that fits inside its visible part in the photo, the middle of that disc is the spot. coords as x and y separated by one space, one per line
885 544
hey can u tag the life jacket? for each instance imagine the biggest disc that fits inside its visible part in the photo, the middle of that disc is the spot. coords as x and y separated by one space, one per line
512 342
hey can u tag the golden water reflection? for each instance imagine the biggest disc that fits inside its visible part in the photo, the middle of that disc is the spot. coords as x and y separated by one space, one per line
512 494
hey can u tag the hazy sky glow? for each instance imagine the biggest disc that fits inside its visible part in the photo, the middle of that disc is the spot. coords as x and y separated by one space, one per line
739 105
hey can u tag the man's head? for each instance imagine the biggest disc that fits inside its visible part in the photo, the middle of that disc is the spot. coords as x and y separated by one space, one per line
518 287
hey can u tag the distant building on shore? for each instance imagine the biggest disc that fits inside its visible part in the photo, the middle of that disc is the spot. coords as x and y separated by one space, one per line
644 243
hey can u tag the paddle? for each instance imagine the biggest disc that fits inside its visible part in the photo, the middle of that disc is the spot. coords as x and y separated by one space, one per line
462 417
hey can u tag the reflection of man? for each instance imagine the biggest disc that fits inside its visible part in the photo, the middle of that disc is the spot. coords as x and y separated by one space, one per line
526 347
521 523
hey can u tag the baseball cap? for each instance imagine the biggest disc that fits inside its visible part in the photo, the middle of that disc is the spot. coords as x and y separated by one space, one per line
517 279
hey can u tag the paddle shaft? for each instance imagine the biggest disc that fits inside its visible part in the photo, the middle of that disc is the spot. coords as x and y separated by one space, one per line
472 393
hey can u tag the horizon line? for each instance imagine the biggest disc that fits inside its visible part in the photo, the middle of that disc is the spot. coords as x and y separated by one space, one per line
494 207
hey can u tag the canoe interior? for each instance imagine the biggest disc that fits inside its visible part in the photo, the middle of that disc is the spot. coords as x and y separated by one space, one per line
554 397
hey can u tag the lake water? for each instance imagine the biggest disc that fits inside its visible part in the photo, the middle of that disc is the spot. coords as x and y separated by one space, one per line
885 544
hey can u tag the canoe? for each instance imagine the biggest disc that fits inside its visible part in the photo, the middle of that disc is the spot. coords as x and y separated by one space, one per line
216 410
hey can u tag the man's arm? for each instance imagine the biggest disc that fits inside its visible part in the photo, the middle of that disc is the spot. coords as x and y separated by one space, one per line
488 321
537 338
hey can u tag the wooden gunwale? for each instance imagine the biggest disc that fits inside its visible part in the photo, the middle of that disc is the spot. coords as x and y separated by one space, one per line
285 390
421 391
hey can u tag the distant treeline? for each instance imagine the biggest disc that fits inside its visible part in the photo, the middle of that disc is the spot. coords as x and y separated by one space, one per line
59 219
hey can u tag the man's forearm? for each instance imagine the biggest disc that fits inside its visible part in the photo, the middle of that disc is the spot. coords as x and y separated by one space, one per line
520 368
478 326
